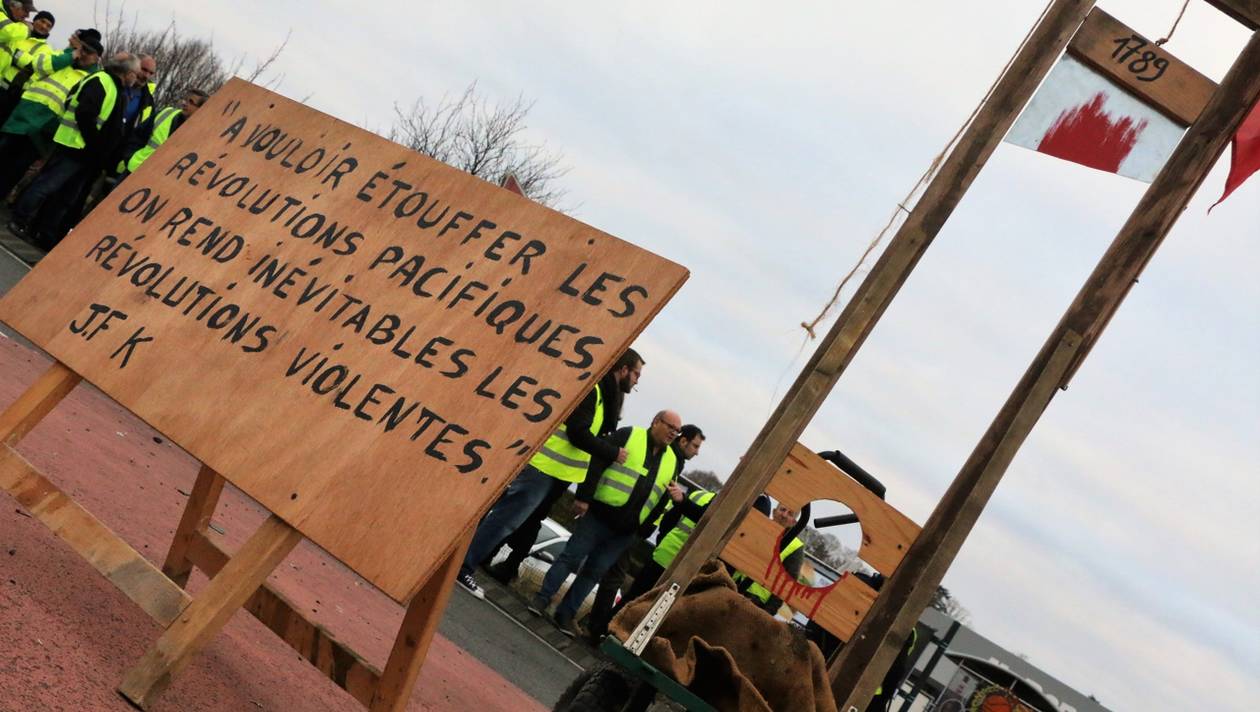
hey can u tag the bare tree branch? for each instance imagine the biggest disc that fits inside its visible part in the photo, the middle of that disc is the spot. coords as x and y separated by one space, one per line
484 139
183 62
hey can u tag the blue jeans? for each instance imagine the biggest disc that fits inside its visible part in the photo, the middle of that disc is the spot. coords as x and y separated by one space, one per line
514 506
593 547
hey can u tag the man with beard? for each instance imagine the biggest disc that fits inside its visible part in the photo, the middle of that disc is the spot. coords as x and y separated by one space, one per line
28 56
562 460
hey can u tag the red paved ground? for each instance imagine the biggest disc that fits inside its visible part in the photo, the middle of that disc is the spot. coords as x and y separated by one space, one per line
67 635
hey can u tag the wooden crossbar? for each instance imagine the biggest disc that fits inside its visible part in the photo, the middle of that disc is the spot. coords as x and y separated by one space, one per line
112 557
236 581
316 644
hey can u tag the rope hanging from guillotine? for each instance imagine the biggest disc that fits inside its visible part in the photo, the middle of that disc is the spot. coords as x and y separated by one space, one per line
924 179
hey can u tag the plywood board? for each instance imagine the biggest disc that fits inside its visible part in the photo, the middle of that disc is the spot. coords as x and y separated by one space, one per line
1149 72
366 341
805 477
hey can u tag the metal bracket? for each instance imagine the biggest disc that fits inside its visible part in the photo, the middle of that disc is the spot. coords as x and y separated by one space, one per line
643 632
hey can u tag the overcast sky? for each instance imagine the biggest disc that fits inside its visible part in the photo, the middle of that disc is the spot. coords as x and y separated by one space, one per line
763 147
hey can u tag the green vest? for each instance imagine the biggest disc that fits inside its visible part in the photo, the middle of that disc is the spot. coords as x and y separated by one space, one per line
562 459
24 52
756 590
618 479
68 133
672 543
161 132
53 91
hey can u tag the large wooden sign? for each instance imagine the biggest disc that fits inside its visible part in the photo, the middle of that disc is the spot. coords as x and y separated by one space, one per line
366 341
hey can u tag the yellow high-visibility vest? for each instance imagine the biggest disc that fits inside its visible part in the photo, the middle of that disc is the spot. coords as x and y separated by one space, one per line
54 90
668 547
617 480
68 133
756 590
161 132
562 459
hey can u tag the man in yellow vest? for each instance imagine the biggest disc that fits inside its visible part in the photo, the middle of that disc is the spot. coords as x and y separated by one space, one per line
89 131
686 446
13 28
166 122
792 555
611 508
27 134
25 54
562 460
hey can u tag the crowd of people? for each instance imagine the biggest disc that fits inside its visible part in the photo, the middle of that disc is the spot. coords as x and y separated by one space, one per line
627 490
73 122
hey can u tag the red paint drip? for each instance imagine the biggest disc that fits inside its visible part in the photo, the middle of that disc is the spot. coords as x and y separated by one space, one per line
788 589
1087 135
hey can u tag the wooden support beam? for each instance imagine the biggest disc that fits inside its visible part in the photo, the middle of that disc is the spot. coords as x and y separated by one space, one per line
1245 11
196 517
36 402
1144 69
868 655
418 626
202 619
316 644
114 558
877 291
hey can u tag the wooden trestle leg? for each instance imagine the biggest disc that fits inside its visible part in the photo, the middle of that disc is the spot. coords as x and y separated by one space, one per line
209 611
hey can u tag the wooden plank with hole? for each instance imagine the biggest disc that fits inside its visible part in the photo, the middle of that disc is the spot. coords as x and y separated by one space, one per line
206 615
35 402
198 511
402 328
886 533
1245 11
1147 71
805 477
113 558
336 660
754 551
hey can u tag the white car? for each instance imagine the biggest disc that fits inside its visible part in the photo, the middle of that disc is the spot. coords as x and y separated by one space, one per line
551 540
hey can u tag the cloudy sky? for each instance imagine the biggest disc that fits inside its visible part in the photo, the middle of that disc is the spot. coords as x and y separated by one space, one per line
763 148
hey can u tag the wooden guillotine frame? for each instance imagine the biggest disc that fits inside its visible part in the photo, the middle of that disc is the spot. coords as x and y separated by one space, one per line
345 469
1213 114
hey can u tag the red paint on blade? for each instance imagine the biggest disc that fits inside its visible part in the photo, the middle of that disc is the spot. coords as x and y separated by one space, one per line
1088 135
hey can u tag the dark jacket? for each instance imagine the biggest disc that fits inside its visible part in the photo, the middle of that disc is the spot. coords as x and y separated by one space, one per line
624 519
578 424
99 144
137 133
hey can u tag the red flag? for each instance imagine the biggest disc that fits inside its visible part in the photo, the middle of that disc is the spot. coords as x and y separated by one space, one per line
1245 156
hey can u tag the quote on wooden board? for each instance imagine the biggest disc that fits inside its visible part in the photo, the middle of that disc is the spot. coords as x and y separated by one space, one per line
365 340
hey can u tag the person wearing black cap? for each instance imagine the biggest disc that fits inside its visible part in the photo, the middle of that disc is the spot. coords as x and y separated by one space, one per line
26 55
27 134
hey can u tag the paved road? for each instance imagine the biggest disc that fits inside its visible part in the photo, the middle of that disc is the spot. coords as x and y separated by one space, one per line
497 640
